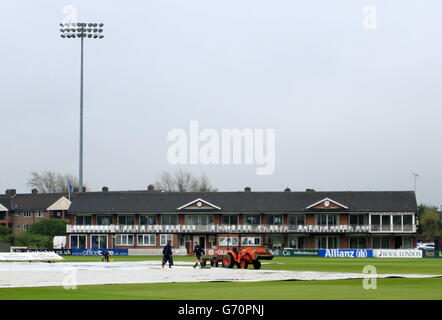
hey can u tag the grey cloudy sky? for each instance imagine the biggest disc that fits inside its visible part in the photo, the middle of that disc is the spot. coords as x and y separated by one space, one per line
353 109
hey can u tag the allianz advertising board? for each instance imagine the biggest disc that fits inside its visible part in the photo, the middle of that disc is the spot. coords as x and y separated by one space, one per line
346 253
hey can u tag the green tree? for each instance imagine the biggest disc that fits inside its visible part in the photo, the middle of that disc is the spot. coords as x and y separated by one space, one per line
48 227
431 223
5 234
33 241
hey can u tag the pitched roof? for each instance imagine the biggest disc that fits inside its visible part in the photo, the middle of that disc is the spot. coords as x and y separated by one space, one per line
4 201
240 202
30 201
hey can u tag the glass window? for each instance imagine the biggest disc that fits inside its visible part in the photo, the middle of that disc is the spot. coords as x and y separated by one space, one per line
126 220
358 243
358 220
164 238
99 242
228 241
83 220
296 219
397 223
408 222
229 219
78 242
386 223
327 219
104 220
146 240
407 242
169 219
381 243
375 222
252 219
296 242
124 239
251 241
273 241
272 219
327 242
201 220
148 220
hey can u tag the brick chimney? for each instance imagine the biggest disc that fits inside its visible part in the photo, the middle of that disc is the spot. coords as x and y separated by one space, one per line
34 191
247 189
287 189
105 189
10 192
309 190
150 187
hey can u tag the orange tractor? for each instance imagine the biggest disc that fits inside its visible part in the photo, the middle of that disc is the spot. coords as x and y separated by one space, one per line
241 258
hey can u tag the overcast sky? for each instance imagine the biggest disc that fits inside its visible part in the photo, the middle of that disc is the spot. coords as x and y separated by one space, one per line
353 109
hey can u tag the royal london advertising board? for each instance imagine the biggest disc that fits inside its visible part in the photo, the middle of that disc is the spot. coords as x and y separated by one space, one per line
398 253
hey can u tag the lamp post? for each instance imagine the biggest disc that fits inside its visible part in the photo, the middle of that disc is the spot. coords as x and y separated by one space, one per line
81 31
415 177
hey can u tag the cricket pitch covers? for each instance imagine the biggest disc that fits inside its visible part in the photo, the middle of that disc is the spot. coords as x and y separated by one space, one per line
19 274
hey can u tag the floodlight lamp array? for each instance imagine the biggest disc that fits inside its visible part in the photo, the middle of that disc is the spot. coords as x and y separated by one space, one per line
81 30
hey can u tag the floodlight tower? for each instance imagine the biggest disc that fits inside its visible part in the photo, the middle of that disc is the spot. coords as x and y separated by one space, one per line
81 31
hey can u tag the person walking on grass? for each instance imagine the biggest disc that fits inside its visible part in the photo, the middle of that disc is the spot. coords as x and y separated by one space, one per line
198 250
167 254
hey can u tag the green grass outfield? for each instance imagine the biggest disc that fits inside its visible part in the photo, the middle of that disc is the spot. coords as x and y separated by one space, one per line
397 288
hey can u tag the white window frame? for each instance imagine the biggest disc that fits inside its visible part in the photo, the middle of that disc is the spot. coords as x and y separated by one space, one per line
222 241
125 218
17 226
100 235
148 235
39 214
251 239
165 237
25 226
27 214
78 242
126 243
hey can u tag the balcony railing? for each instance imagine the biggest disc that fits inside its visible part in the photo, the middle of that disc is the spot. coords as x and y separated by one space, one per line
216 229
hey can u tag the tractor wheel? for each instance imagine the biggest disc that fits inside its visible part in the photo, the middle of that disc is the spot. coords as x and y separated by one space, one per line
203 263
243 264
216 264
256 264
228 261
212 264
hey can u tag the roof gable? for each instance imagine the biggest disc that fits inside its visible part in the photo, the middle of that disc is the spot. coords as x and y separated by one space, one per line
199 204
327 203
59 205
2 208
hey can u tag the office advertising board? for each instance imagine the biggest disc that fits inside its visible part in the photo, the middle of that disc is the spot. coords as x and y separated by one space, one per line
99 252
398 253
